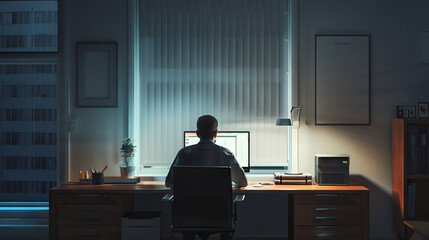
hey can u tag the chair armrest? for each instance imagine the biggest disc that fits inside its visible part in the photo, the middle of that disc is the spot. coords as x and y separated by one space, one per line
239 198
168 197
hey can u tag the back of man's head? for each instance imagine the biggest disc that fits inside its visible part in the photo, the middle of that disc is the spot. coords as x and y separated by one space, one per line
206 127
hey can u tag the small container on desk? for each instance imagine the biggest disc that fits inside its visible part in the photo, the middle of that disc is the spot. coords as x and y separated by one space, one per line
85 181
97 178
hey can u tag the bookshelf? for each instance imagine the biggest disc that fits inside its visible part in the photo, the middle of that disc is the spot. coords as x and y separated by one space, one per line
410 172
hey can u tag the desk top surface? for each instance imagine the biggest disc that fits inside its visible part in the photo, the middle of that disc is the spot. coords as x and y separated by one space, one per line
422 227
159 187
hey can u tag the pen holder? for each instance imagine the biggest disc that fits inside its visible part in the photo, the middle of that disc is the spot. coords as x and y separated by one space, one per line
97 178
85 181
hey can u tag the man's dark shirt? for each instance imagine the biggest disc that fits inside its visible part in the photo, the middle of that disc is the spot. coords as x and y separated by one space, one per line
207 153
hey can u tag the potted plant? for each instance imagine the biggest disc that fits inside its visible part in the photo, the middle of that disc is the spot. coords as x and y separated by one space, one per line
128 150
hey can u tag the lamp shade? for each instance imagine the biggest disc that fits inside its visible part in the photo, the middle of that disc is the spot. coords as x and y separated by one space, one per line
296 115
283 122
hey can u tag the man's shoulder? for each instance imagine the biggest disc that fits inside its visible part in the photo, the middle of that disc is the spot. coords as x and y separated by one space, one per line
204 145
223 149
187 149
226 150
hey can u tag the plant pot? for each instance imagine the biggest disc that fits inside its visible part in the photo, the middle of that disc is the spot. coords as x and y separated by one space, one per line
124 171
127 171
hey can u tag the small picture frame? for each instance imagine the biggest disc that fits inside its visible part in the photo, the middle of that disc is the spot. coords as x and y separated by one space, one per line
97 75
423 108
406 111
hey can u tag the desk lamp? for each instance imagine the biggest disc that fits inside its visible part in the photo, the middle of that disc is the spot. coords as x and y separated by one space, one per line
283 122
296 115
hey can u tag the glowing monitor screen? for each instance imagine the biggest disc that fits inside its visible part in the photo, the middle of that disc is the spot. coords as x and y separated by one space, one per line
238 142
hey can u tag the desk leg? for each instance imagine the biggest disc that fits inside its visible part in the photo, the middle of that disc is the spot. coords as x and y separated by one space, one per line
290 216
417 236
52 214
365 215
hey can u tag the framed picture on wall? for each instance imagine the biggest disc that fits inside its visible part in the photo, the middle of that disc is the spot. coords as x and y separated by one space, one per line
423 108
97 74
342 80
406 111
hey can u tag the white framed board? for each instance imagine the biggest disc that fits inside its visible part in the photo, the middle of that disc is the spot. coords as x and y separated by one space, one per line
342 80
97 74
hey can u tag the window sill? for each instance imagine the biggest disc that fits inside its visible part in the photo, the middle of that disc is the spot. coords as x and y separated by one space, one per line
251 176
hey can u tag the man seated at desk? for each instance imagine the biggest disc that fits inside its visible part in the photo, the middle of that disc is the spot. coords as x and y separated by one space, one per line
207 153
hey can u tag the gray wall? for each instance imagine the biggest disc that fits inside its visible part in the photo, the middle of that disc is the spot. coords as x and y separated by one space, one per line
397 77
99 130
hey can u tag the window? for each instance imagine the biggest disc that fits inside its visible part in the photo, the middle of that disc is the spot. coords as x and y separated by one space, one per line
29 26
28 132
227 58
28 115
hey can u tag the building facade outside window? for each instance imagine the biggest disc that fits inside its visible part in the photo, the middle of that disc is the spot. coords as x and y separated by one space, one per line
28 105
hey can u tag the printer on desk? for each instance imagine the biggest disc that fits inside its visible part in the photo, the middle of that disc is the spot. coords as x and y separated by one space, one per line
331 169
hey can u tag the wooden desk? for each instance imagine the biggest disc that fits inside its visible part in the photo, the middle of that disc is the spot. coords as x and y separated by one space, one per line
420 228
84 211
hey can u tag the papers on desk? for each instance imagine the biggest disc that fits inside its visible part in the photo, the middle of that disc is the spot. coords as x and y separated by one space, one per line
281 178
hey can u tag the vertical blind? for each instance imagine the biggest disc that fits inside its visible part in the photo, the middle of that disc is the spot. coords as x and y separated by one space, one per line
227 58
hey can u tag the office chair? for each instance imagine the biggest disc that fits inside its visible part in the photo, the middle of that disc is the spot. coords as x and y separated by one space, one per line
202 203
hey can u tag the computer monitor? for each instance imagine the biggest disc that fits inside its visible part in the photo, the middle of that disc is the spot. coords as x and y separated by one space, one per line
238 142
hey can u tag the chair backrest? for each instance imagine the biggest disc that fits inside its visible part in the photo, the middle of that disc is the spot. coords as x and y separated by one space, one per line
202 197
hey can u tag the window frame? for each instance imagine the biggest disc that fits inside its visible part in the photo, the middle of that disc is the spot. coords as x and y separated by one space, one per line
292 98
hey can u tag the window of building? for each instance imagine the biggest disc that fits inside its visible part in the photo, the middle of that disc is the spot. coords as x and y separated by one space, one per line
28 121
29 26
28 132
227 58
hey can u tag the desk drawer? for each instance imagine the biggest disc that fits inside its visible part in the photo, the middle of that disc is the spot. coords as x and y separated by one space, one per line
92 199
88 232
92 209
327 215
327 232
90 215
337 199
327 209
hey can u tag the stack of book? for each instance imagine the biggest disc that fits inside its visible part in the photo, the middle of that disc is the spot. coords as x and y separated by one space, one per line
292 178
120 180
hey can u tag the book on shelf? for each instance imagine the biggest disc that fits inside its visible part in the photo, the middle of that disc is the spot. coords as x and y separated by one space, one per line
120 180
417 149
413 132
411 200
423 150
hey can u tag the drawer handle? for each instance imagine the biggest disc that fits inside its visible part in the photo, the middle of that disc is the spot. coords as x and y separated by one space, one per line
88 234
89 209
326 227
89 217
326 235
87 226
326 217
326 209
91 195
326 195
